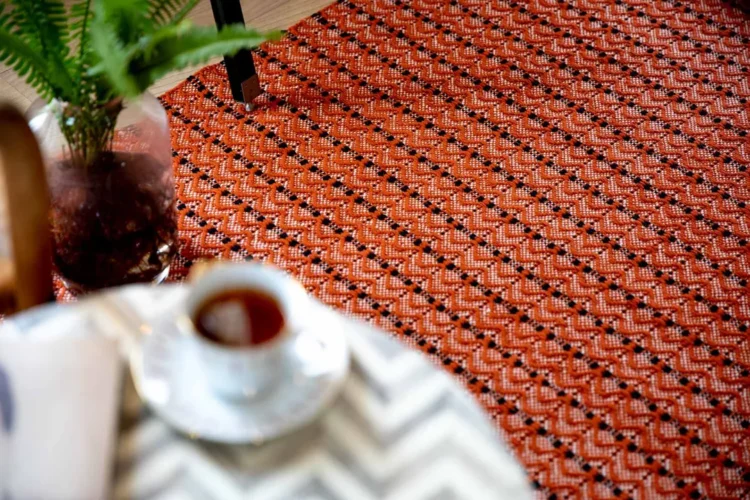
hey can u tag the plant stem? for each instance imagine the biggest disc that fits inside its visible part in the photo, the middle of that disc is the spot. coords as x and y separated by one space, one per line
89 130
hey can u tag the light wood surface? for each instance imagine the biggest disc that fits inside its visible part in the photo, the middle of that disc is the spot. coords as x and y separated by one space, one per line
260 14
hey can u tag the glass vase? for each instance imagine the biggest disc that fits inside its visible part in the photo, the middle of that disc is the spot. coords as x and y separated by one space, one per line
112 193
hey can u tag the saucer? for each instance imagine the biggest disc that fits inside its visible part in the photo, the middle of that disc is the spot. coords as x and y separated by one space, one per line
169 378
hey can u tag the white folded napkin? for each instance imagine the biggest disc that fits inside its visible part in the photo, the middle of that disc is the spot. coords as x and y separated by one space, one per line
59 401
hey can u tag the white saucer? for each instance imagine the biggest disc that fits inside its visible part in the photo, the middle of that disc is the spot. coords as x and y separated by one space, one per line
168 376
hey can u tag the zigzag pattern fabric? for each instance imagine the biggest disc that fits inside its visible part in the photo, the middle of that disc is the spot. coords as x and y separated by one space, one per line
381 439
547 197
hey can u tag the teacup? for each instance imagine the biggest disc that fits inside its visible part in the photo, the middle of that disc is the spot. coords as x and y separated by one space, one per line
241 354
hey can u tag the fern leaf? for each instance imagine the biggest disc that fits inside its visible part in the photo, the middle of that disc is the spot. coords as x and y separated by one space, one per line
42 25
81 14
5 19
126 19
179 15
189 46
165 11
26 61
133 69
113 60
42 22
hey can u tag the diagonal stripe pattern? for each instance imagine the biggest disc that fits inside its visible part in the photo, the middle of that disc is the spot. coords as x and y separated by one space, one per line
380 439
549 197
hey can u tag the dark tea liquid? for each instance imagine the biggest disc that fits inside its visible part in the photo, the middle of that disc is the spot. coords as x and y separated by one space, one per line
239 318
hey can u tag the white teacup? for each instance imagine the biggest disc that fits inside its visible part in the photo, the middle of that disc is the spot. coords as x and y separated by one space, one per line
242 372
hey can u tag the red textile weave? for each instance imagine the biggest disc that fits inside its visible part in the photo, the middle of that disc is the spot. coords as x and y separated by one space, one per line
547 197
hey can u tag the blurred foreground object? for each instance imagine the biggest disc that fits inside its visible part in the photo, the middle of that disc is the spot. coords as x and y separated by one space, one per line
58 406
400 429
25 251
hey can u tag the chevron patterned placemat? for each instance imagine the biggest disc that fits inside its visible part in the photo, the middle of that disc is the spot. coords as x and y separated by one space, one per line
548 197
382 439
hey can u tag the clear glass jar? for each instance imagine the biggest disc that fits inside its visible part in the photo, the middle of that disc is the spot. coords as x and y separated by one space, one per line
112 194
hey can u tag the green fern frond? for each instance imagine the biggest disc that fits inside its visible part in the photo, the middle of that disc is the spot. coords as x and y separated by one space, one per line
97 51
169 48
195 45
27 63
166 11
191 46
41 23
43 26
80 16
127 19
179 15
5 19
113 59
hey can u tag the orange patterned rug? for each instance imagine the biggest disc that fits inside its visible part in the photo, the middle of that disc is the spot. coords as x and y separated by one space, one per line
547 197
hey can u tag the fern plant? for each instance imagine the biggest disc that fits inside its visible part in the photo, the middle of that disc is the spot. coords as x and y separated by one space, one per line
89 57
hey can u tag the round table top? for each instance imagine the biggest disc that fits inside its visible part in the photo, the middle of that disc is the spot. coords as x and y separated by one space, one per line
400 429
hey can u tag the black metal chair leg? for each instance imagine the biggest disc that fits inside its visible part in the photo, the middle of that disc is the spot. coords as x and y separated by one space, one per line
243 79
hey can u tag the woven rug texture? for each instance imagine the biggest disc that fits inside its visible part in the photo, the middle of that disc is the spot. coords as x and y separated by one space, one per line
547 197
